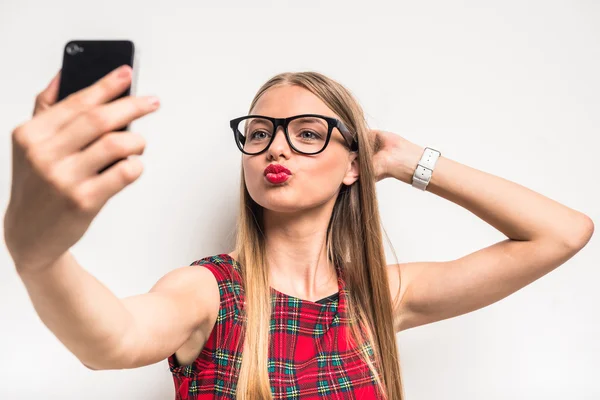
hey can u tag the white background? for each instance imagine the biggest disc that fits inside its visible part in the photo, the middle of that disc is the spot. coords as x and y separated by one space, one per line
508 87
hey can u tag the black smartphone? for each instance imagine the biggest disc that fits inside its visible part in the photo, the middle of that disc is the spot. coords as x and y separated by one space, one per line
86 61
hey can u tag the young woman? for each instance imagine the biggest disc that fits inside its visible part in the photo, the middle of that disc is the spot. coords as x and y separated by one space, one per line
305 306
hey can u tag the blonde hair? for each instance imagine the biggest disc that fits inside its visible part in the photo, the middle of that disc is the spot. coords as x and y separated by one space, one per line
354 241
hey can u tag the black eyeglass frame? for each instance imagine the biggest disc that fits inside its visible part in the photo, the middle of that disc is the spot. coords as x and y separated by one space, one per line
331 123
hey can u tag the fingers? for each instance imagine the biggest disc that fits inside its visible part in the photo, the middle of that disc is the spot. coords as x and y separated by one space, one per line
104 90
91 125
111 147
48 96
95 192
85 165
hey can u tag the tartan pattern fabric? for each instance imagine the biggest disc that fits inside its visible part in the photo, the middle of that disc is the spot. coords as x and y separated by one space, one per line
310 355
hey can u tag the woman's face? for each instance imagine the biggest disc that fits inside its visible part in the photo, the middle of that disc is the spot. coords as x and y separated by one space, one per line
315 179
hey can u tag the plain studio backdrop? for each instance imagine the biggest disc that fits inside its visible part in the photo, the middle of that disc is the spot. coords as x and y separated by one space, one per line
510 88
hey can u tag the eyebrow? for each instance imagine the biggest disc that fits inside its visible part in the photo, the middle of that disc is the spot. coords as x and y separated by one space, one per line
313 119
259 121
318 120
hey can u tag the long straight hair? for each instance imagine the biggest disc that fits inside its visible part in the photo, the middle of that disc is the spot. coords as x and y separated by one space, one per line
354 242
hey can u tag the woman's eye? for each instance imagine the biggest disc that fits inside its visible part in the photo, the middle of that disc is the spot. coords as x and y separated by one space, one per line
255 133
314 135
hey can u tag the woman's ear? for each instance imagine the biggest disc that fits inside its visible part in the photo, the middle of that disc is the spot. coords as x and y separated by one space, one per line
353 171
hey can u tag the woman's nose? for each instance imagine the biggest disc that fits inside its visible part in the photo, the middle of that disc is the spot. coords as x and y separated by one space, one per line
279 141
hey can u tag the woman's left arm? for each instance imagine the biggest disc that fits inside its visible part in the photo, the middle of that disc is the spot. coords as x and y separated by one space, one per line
542 235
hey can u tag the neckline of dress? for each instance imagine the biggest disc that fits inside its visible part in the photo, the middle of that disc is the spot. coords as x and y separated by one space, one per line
303 301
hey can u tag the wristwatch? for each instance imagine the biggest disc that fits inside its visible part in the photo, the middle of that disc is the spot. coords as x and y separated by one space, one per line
424 170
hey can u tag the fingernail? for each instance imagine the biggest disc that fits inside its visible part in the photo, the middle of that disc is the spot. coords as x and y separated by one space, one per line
153 101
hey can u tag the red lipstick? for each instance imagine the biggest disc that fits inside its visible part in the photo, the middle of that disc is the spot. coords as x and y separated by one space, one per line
277 173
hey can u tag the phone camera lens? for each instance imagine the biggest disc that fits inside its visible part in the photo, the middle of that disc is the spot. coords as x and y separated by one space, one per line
73 49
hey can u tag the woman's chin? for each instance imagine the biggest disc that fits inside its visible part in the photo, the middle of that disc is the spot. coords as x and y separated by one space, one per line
277 203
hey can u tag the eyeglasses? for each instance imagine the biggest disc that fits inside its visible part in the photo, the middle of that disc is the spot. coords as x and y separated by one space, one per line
305 133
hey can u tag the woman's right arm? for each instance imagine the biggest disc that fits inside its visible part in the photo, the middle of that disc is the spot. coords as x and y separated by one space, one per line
59 184
105 332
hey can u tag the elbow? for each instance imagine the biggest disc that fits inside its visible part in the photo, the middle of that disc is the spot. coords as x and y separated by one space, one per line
580 234
89 366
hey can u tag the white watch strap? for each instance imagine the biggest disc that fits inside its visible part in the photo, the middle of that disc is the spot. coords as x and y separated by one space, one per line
424 171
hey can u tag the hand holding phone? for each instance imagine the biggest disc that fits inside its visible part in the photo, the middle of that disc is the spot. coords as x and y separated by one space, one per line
56 188
87 61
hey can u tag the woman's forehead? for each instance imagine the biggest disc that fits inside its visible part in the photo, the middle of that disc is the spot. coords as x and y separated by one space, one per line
286 101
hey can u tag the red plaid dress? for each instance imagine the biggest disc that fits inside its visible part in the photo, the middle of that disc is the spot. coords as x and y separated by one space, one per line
308 355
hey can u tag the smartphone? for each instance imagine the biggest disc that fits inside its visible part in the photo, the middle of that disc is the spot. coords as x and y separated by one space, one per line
86 61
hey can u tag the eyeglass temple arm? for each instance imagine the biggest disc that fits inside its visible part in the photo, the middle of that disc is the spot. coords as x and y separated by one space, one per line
347 135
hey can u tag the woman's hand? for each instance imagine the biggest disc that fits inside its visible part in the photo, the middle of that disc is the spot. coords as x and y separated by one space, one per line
56 189
394 156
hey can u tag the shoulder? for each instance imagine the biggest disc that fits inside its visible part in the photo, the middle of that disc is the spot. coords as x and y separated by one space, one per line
223 266
192 285
201 281
191 276
227 274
